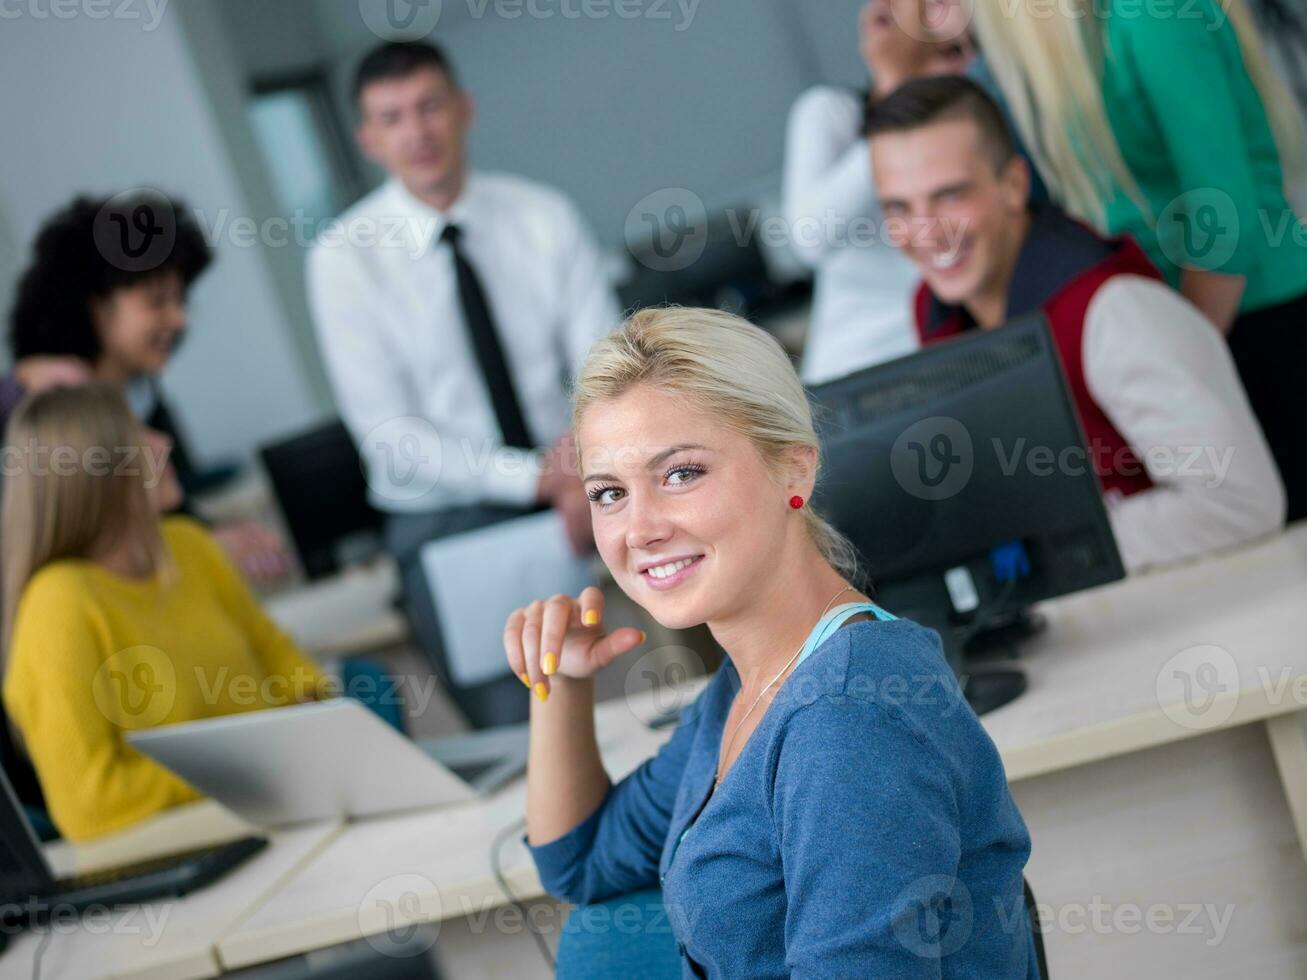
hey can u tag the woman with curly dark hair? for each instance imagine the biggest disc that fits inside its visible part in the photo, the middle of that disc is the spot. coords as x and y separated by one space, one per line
104 298
90 305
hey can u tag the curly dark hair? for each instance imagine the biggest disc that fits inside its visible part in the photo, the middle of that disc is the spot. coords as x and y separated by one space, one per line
75 261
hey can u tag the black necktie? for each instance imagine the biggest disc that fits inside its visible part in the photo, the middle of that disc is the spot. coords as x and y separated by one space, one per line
485 341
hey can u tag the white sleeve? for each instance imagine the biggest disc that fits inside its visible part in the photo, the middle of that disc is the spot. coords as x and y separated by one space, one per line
1164 377
827 173
590 308
407 470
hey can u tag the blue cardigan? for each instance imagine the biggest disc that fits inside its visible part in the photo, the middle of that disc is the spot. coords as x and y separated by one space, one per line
865 830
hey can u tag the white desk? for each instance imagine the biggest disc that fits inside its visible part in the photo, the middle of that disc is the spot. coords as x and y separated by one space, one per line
347 613
389 873
1128 807
1099 767
172 940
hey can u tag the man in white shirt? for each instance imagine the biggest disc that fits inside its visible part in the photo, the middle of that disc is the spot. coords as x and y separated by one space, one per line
451 306
1184 467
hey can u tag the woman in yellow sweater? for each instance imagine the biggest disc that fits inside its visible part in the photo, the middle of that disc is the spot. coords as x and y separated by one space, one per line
116 619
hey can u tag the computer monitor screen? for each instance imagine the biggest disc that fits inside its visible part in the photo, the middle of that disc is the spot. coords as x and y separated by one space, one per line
961 474
319 484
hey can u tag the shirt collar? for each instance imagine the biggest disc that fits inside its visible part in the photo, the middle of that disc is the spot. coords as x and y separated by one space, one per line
1056 250
423 224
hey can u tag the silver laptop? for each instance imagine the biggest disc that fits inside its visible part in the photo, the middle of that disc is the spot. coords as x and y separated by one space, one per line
328 760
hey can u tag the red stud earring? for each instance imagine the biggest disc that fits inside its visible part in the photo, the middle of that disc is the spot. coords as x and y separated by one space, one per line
796 502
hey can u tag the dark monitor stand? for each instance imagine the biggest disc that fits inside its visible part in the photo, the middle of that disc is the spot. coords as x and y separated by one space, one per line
961 475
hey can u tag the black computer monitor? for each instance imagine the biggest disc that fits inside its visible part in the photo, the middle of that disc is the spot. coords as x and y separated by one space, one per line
318 480
962 476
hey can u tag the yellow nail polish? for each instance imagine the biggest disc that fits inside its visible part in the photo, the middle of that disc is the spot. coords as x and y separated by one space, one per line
525 680
643 637
551 664
542 692
591 617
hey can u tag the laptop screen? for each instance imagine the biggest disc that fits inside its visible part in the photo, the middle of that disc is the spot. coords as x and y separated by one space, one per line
23 871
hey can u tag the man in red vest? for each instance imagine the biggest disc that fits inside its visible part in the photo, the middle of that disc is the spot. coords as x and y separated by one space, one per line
1183 465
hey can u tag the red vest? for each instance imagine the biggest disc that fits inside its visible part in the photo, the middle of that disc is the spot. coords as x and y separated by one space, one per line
1065 306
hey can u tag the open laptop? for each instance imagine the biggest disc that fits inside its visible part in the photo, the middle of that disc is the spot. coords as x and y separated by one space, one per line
30 893
328 760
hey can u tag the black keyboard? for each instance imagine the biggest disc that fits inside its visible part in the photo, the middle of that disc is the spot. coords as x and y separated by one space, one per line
156 878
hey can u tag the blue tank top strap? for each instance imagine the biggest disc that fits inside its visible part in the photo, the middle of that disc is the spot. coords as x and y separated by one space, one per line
836 618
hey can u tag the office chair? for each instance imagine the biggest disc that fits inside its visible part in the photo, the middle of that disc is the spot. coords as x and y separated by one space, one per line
318 480
1036 933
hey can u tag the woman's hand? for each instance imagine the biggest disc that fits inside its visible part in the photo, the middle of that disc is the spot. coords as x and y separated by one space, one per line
563 636
41 373
905 39
256 549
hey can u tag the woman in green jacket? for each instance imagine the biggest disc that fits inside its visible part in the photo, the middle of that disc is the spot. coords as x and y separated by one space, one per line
1164 120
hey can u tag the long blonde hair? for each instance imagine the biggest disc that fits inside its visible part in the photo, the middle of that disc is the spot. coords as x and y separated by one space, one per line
731 368
1050 66
65 493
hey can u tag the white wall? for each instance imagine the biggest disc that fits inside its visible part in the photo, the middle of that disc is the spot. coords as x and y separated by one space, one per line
10 269
606 109
101 105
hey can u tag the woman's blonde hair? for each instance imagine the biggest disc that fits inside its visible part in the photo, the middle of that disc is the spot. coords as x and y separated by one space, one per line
1049 64
69 487
729 367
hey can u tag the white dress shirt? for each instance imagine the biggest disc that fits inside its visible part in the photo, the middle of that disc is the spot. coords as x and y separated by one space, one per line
384 297
862 303
1164 377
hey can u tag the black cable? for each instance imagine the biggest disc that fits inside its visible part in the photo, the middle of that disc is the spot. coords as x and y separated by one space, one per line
500 839
40 951
985 614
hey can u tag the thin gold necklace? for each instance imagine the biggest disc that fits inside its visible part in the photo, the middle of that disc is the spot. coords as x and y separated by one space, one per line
717 780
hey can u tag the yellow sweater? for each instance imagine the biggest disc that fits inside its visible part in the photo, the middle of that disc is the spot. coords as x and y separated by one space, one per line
95 655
